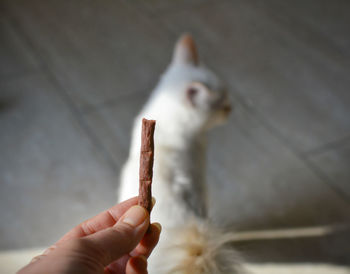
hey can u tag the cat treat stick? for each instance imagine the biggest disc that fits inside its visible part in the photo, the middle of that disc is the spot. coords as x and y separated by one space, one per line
146 164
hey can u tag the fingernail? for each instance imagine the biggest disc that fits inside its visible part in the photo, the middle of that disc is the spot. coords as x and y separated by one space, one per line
135 216
158 226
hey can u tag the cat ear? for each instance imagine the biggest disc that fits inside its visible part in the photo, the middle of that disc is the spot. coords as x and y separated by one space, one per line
185 51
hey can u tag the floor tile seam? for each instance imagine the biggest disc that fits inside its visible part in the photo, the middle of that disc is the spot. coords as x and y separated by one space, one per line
111 102
6 80
170 11
324 179
64 95
329 146
30 68
311 51
44 58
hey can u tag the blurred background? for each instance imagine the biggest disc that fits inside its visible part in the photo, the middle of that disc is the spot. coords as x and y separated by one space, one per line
73 74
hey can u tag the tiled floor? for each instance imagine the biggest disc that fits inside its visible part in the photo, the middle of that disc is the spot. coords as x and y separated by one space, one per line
73 74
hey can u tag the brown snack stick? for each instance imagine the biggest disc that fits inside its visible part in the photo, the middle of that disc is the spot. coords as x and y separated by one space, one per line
146 164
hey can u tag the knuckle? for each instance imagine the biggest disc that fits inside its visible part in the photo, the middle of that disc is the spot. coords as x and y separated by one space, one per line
87 228
37 258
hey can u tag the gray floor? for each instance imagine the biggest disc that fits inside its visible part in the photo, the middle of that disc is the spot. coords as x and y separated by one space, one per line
74 73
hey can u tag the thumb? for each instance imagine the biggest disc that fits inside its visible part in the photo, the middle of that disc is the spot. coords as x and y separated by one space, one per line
114 242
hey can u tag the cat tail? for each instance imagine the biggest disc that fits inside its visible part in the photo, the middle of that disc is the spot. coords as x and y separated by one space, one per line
198 248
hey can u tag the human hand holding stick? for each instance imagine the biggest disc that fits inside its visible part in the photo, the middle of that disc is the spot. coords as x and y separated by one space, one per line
117 240
114 241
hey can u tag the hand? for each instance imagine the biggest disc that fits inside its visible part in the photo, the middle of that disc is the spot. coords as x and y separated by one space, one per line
114 241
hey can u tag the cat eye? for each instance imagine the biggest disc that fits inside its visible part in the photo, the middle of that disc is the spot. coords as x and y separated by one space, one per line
190 93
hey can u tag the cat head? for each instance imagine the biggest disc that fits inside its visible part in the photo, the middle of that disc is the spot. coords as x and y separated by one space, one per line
199 90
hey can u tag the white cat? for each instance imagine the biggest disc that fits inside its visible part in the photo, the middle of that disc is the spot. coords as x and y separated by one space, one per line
187 102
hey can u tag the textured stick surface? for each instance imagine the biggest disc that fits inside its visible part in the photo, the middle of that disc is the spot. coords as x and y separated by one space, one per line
146 163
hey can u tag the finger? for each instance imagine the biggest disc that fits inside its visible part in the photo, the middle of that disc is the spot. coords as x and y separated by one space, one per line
118 266
37 258
112 243
136 265
144 248
49 249
148 242
101 221
41 256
